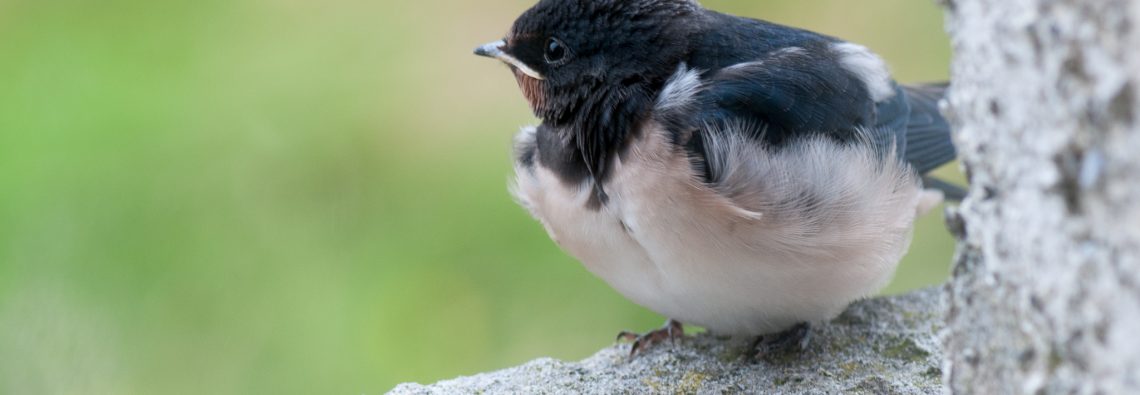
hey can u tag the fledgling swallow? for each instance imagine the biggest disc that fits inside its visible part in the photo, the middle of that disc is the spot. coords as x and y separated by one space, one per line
726 172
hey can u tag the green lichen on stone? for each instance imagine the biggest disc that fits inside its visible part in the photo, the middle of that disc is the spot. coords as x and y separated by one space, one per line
850 368
934 372
844 342
785 357
781 381
691 382
875 386
914 318
652 384
1055 360
730 354
906 350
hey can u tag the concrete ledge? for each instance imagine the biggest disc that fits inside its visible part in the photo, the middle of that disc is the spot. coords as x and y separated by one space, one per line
879 346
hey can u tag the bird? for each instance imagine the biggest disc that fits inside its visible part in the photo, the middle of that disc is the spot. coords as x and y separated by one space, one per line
725 172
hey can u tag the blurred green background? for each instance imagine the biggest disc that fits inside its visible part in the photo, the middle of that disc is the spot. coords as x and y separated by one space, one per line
258 196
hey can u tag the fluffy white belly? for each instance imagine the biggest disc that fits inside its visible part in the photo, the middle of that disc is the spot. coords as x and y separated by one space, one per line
791 236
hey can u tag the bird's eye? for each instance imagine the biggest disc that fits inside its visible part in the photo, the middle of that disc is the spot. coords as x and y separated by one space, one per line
555 51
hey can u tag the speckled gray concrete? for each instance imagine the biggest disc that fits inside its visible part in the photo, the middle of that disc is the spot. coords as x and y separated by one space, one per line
879 346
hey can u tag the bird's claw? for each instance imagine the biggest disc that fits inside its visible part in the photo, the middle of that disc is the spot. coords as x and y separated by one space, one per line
799 335
672 331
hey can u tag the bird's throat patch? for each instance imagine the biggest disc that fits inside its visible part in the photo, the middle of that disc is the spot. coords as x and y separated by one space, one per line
532 90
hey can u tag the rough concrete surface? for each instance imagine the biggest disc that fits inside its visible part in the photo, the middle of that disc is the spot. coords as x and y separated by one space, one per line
1046 106
879 346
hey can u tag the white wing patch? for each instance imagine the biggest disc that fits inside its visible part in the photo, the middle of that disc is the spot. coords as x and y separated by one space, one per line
869 67
784 52
680 90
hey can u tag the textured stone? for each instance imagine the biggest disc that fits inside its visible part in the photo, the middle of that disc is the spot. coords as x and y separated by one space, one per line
1046 104
879 346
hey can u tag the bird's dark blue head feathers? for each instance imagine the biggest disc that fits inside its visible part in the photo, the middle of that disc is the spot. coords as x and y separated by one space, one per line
591 68
575 47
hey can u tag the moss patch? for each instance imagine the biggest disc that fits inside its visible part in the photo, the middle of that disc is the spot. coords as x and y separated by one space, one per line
691 382
906 350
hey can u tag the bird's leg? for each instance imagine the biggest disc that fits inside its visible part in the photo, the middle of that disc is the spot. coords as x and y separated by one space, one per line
672 331
799 335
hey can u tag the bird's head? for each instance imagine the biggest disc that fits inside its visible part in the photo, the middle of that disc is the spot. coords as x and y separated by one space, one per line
571 57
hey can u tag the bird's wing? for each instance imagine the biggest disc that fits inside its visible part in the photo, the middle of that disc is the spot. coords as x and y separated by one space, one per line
796 93
791 93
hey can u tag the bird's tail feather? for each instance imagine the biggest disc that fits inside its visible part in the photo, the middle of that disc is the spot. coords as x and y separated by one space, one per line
928 134
951 192
928 137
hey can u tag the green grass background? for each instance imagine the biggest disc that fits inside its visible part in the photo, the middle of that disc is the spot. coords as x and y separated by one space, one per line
301 197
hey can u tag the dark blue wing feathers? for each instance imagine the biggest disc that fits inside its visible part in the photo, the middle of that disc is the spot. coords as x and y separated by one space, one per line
927 133
753 76
788 93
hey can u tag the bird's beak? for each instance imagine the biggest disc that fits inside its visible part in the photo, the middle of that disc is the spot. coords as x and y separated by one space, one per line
495 50
491 50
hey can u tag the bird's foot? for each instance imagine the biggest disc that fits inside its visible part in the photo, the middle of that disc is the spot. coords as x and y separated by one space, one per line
672 331
797 336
